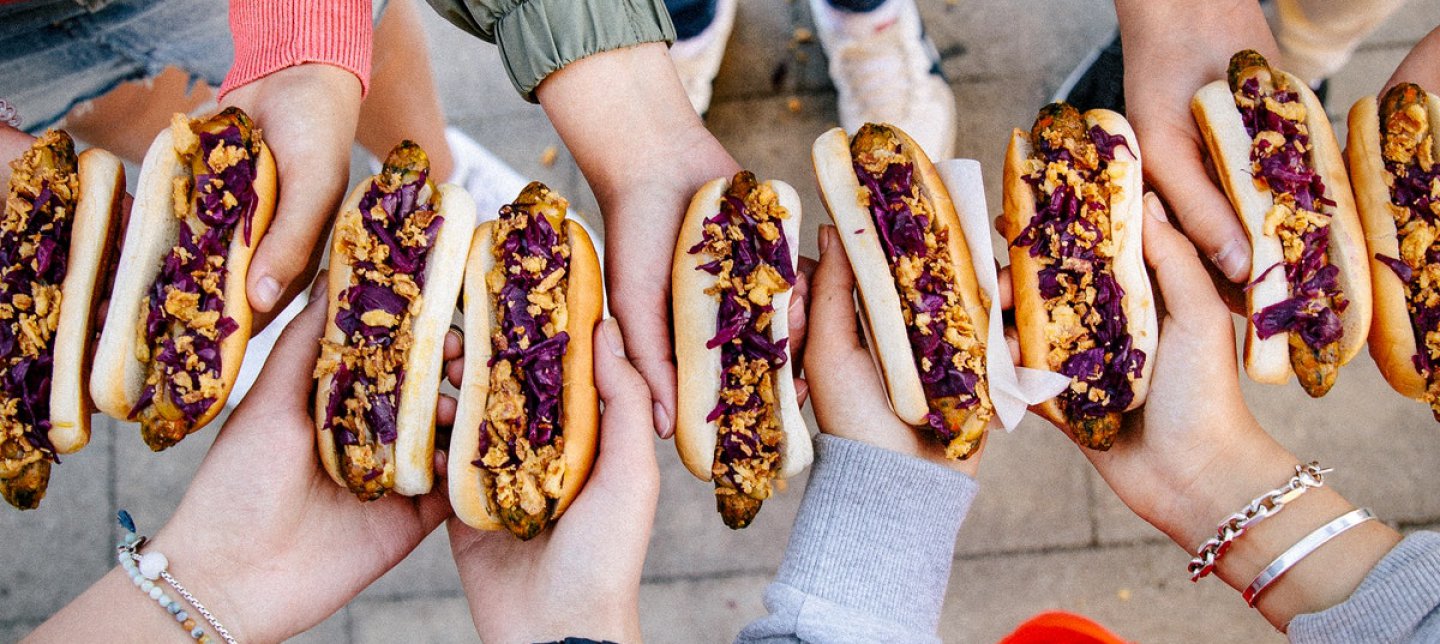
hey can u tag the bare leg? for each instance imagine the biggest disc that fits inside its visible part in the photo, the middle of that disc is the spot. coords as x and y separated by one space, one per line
127 119
403 104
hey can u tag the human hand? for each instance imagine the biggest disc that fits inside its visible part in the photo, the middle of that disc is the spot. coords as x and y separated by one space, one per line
307 115
1421 66
263 536
1171 50
1196 454
581 577
643 149
848 398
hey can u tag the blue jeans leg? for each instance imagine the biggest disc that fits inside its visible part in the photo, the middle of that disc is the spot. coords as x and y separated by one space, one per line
690 16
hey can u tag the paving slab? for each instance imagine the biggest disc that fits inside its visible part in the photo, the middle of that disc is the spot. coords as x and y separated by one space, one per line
703 611
1033 494
150 484
54 552
334 629
1140 592
690 541
413 621
773 51
429 570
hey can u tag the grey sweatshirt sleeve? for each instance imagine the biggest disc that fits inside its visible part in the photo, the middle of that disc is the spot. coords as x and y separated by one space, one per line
869 557
1399 601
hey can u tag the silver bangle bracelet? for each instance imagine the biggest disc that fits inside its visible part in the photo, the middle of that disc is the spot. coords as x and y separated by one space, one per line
1302 549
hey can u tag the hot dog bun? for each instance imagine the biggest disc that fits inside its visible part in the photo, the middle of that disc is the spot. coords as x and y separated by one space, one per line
1219 120
92 244
414 445
469 487
699 369
118 376
1393 344
883 315
1126 222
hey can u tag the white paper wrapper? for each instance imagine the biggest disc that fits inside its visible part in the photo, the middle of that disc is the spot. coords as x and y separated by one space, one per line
1012 388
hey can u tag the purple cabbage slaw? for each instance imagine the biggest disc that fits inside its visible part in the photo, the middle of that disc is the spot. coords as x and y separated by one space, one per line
189 259
1412 191
1313 307
902 234
537 359
364 294
738 332
27 378
1069 259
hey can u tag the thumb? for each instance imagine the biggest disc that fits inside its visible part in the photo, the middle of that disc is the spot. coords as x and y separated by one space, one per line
1184 284
288 251
647 329
1202 208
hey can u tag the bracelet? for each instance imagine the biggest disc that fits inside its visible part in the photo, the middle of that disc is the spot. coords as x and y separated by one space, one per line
145 569
1266 505
9 115
1302 549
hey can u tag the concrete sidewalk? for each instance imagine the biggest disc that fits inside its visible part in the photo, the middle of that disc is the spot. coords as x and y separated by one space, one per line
1045 534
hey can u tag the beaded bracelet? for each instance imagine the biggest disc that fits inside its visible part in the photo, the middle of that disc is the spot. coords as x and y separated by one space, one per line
9 115
145 569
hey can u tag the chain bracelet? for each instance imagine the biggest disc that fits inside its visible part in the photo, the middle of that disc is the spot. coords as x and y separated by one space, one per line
204 612
1306 477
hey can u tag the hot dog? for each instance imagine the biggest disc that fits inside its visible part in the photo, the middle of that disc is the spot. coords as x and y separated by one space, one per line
178 319
397 258
55 237
737 419
528 415
1309 292
1083 306
1393 167
924 312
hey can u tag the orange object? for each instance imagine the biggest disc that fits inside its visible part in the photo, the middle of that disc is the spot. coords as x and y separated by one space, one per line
1056 627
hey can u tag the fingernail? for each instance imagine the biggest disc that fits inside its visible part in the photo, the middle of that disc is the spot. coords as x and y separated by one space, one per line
662 421
268 291
1231 260
802 389
613 337
1154 208
825 233
797 303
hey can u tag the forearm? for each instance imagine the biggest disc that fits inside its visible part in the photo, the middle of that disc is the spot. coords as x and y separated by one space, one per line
1235 24
616 109
1245 470
872 546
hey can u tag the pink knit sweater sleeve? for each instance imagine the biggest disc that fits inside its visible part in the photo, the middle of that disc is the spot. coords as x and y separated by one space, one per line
271 35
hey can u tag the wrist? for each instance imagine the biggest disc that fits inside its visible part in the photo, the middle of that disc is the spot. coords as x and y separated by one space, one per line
213 577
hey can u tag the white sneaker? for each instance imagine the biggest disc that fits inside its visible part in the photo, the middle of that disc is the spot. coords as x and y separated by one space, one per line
697 59
886 71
